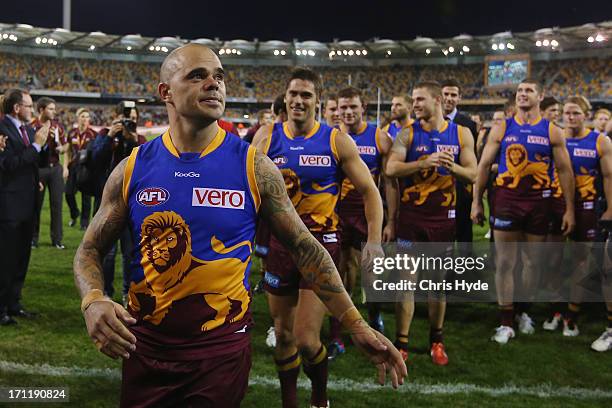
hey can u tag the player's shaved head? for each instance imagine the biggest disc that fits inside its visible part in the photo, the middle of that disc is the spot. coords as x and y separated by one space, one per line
174 61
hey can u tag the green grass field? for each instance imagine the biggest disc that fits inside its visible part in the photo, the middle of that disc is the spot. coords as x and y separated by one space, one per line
543 370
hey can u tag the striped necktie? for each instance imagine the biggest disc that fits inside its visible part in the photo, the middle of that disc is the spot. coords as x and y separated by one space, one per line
24 135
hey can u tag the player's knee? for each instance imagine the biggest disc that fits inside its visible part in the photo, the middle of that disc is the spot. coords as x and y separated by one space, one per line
284 337
307 343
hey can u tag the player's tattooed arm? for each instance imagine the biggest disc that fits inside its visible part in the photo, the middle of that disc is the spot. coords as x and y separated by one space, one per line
262 138
313 261
316 265
102 232
397 166
106 320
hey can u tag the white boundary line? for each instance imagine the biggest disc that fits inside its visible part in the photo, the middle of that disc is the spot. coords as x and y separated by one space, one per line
541 391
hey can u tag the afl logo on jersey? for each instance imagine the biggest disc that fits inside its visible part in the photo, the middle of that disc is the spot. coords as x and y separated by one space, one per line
152 196
280 160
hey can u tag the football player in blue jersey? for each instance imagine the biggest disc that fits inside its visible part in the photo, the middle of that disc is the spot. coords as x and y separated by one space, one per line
192 86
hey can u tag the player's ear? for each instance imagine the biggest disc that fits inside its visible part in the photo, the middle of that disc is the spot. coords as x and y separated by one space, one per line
164 91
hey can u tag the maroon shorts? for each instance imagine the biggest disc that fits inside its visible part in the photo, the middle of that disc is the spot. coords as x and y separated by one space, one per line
415 227
262 239
354 230
282 277
518 212
215 382
557 209
586 222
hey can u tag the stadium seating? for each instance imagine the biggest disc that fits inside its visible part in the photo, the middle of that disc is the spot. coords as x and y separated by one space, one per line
561 77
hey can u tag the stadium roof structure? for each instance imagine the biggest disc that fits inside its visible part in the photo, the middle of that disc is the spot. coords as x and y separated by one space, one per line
544 40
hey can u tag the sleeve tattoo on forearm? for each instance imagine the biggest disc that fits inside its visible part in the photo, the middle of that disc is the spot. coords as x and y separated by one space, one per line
104 230
311 258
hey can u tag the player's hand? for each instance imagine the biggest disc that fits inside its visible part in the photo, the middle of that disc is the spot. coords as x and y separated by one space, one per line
433 160
370 251
3 142
447 160
568 223
40 138
65 173
41 186
495 168
106 324
477 213
388 233
380 351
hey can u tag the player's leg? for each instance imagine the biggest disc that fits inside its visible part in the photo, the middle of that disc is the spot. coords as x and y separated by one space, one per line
580 272
531 261
506 258
281 282
551 281
286 356
604 342
436 299
404 312
336 346
408 232
307 331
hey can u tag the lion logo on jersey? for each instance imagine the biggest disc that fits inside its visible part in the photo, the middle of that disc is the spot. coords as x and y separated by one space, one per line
519 166
427 182
585 184
173 273
292 184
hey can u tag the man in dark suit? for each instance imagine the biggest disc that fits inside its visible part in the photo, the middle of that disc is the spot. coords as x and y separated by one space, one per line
18 189
451 92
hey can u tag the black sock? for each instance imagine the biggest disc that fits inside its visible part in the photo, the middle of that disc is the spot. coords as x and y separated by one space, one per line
573 309
506 315
401 341
609 319
435 335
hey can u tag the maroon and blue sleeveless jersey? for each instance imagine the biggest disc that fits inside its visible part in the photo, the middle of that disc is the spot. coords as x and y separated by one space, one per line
431 192
585 153
309 164
525 160
192 218
394 128
367 140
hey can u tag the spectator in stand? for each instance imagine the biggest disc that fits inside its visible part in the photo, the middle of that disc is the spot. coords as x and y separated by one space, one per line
264 117
78 138
51 172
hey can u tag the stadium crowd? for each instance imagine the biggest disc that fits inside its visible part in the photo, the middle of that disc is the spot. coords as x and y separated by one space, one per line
589 76
428 156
